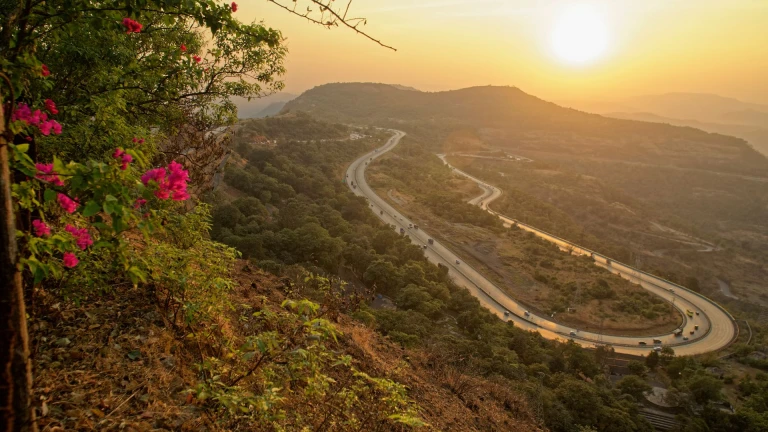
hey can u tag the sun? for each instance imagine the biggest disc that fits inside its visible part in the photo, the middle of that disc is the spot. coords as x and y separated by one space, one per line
579 35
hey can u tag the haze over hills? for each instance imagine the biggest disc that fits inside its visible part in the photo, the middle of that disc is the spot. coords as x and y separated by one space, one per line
262 107
507 117
708 112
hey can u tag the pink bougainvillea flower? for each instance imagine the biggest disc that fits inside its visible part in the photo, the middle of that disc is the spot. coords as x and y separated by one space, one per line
47 174
45 71
67 204
139 202
197 58
70 260
41 229
141 140
173 186
82 238
183 48
28 138
123 157
234 7
36 118
132 26
51 107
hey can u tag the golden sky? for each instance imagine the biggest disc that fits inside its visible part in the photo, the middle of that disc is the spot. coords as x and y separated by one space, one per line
646 46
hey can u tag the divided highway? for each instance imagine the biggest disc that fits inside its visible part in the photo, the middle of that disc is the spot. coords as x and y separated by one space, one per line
716 327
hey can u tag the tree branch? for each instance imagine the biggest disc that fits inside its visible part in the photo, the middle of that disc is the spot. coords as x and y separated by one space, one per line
336 18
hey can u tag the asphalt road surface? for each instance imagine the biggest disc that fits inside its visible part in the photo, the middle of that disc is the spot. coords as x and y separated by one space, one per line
716 327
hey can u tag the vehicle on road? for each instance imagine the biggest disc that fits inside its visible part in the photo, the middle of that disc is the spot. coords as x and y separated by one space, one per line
689 313
458 262
642 343
679 332
526 313
430 241
410 225
696 327
657 341
402 230
685 337
573 333
657 349
416 227
697 312
692 332
381 212
506 313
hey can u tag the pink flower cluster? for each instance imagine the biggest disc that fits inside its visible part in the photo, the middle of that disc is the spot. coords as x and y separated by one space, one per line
70 260
82 238
138 140
36 118
172 183
47 174
51 107
68 204
123 157
41 229
44 70
197 58
234 7
139 202
132 26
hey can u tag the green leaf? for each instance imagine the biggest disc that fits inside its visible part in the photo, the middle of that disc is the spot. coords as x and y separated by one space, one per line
91 207
49 195
134 355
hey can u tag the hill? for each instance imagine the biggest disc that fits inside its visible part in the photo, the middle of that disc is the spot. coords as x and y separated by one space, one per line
755 135
261 107
507 117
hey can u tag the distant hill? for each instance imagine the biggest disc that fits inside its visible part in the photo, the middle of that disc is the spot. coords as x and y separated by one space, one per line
271 109
754 135
507 117
702 107
261 107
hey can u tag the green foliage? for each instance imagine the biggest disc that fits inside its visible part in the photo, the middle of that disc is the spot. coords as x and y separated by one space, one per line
633 385
290 356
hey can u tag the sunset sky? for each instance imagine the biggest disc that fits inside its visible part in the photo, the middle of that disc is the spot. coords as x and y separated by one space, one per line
557 50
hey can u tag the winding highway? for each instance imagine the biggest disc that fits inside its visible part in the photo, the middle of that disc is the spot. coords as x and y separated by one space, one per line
716 327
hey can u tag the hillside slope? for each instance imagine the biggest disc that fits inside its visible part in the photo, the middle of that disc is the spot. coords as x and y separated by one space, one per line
507 117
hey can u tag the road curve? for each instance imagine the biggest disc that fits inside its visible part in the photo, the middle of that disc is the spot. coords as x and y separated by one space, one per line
707 338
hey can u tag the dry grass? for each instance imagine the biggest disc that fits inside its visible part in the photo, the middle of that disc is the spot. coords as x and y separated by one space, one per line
115 363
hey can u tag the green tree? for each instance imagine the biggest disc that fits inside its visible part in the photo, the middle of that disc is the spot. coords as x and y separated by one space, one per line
652 360
704 388
633 385
637 368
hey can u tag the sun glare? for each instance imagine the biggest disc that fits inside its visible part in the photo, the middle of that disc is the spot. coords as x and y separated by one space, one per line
579 35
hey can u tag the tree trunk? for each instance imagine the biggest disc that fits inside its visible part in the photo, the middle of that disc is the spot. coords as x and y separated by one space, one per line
16 413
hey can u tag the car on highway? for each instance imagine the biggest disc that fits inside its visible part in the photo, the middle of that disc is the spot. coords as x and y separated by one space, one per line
692 332
402 230
685 337
657 341
696 327
458 262
425 246
657 349
506 313
642 343
573 333
526 313
430 241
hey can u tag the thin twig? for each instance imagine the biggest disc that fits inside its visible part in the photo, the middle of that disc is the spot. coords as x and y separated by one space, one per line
337 18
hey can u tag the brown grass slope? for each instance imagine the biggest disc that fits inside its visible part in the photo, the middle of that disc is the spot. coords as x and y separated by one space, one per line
115 364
